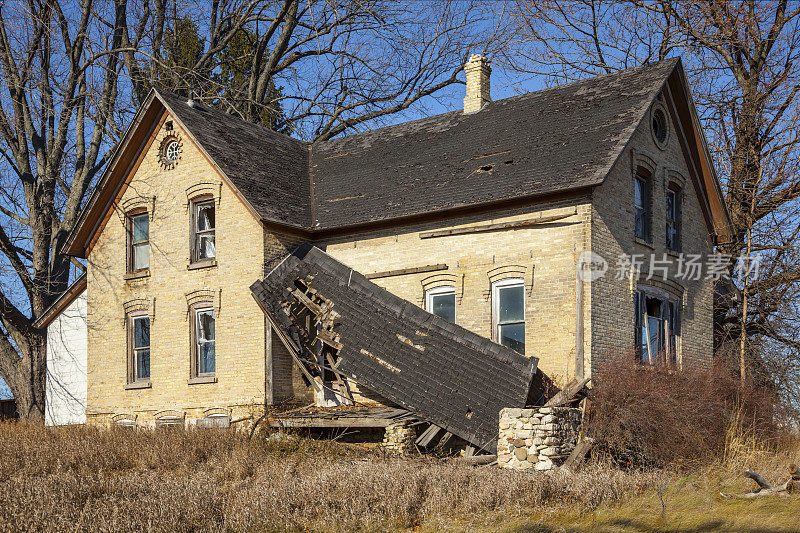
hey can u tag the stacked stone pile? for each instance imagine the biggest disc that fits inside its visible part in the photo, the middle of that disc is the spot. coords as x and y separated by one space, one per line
399 438
539 438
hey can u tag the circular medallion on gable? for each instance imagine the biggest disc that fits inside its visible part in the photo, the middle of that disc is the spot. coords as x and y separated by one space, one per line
169 153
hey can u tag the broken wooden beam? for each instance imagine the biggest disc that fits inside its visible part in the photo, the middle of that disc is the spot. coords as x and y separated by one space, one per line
404 271
566 395
493 227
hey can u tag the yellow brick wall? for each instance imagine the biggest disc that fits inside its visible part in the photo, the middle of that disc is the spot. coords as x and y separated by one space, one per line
613 234
543 256
240 328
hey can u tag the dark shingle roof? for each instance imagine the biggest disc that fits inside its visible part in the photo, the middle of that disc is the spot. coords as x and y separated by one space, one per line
454 378
269 169
550 141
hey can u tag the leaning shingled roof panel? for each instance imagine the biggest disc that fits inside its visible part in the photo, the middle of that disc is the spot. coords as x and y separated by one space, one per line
440 371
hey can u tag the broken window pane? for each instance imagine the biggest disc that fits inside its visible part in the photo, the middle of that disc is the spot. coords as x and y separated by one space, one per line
205 216
203 231
206 248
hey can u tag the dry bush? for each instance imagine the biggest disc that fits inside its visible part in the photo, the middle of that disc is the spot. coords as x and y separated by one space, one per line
650 416
80 478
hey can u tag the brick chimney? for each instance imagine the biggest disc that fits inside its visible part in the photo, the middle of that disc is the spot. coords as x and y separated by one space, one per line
478 72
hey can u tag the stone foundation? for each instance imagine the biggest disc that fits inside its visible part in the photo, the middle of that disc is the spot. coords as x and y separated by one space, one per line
539 438
399 438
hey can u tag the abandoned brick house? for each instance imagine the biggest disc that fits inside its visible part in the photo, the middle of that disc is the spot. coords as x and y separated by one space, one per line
477 217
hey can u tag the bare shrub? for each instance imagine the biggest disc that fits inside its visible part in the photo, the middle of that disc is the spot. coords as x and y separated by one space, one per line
84 479
650 416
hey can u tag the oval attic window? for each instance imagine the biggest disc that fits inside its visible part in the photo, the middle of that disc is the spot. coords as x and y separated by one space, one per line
659 126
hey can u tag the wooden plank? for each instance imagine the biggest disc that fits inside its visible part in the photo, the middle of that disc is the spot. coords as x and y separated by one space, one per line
493 227
567 393
579 454
428 435
404 271
330 339
306 301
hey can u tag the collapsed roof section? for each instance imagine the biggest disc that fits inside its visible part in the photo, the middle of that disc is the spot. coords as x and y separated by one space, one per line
440 371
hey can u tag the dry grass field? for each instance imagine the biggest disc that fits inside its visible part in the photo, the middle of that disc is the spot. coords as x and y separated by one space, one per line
81 479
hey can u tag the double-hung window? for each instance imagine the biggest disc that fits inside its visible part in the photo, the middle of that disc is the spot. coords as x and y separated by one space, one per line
508 313
204 343
139 348
203 230
139 242
641 207
441 301
673 220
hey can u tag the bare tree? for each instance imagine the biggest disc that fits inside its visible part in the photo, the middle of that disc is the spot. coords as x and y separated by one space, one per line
742 61
71 75
59 91
340 64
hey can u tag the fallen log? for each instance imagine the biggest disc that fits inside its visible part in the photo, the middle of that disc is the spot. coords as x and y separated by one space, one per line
791 486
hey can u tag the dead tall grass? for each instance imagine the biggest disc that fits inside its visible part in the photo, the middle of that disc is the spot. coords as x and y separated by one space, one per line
84 479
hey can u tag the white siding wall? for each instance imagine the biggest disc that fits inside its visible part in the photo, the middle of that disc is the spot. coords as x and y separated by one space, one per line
66 365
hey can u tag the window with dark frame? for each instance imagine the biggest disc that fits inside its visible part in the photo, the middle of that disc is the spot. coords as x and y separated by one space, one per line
641 206
203 343
139 239
203 230
508 310
673 220
441 301
139 348
657 328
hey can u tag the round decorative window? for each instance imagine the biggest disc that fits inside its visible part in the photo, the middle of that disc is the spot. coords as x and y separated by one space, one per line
170 152
659 126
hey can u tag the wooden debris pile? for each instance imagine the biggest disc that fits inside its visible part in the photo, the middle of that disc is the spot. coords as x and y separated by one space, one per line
314 328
